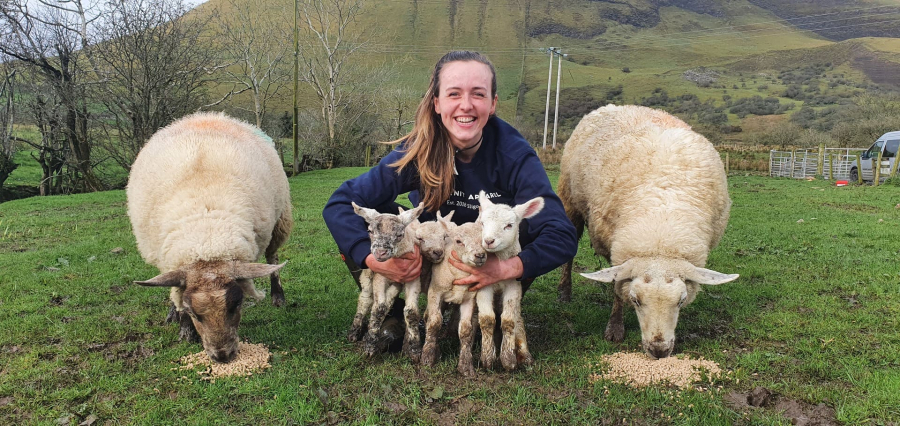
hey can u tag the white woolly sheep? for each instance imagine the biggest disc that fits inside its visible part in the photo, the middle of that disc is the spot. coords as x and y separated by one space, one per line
206 196
501 237
431 237
654 196
390 237
465 239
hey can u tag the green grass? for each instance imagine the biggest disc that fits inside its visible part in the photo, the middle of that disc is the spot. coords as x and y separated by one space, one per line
814 318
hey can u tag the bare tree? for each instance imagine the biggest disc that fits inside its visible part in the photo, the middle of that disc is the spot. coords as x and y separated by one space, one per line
154 66
49 38
7 145
257 45
331 37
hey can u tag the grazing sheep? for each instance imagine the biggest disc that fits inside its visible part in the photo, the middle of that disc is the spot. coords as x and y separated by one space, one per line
654 196
501 237
206 196
391 237
465 239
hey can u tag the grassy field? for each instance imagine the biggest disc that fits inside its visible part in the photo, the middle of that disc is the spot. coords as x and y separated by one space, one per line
813 319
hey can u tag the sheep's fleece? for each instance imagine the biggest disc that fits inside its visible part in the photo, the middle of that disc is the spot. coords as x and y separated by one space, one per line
654 196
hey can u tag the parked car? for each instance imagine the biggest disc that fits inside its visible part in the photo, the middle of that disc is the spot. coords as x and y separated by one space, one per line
887 145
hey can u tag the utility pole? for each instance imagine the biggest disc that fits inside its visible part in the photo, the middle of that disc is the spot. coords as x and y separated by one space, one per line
559 55
296 79
547 109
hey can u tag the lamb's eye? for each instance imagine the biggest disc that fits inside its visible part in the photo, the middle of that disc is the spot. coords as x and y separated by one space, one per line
681 302
507 227
420 239
635 301
459 242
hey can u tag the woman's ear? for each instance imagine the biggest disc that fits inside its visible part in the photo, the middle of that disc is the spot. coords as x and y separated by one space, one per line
437 105
493 104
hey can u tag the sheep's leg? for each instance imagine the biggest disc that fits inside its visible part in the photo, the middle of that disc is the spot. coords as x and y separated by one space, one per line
510 321
466 336
523 355
279 236
380 309
363 306
434 319
487 320
565 278
412 344
615 328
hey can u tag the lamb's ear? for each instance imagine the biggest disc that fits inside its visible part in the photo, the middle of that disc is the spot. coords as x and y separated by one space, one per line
529 208
608 275
445 218
367 214
255 270
710 277
169 279
483 200
408 216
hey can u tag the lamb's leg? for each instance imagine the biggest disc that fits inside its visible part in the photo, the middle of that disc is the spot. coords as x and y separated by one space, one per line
430 352
486 321
466 336
363 306
509 319
565 277
380 309
615 328
279 235
523 355
412 344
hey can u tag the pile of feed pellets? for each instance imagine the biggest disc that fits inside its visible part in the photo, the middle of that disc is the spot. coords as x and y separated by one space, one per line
251 358
639 370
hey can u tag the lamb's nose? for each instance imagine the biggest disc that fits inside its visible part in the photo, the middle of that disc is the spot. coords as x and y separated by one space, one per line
438 253
489 242
480 256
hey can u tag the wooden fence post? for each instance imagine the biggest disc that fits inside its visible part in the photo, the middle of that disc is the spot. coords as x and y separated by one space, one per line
819 167
859 168
894 167
771 159
368 154
831 166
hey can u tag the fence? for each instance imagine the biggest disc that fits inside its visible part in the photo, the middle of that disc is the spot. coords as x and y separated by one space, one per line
799 164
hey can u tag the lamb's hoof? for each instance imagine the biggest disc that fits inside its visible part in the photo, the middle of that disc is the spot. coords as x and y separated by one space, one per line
524 358
614 333
430 355
374 345
565 296
488 361
277 300
467 370
508 360
355 334
415 355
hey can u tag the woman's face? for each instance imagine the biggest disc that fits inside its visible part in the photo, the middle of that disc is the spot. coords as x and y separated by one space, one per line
465 101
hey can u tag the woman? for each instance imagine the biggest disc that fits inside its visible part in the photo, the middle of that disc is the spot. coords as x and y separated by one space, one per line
457 148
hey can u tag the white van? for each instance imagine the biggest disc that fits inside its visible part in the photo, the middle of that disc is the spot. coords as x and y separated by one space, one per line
887 145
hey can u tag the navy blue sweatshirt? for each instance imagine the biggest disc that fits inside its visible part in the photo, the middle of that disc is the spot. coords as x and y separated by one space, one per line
505 167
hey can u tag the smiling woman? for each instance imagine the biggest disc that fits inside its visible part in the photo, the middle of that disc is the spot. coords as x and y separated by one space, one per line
457 148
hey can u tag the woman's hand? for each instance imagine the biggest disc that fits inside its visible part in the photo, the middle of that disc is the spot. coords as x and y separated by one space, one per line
401 269
494 270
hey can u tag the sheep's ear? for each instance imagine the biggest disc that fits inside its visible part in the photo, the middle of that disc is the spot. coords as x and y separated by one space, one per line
608 275
483 200
530 208
169 279
445 218
367 214
248 271
408 216
710 277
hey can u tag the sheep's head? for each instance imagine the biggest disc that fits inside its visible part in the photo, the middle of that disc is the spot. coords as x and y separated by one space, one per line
658 288
212 294
431 237
501 222
465 240
386 230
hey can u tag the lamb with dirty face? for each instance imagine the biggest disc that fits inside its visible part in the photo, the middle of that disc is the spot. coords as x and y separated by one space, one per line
206 197
654 196
391 237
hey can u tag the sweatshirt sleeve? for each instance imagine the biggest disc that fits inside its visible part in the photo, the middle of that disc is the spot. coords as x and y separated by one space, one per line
552 237
378 186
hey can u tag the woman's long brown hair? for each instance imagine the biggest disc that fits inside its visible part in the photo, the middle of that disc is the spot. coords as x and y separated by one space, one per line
428 144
